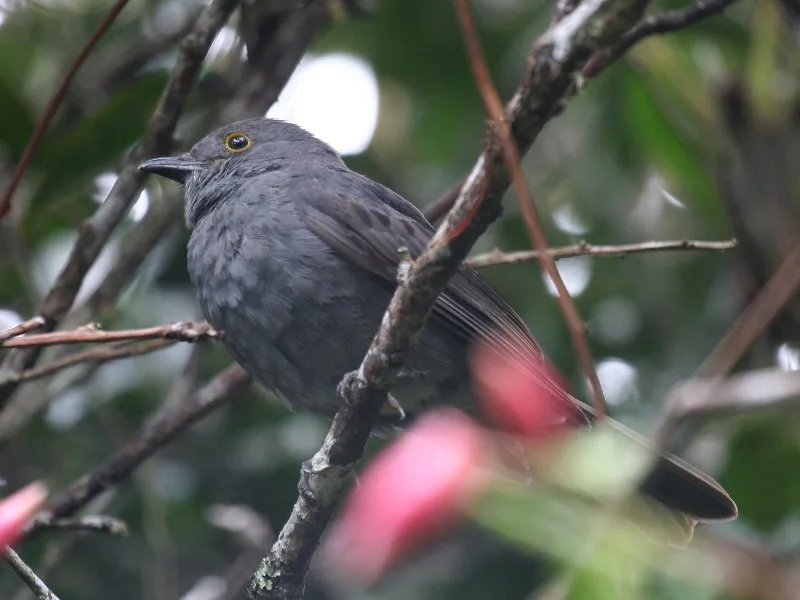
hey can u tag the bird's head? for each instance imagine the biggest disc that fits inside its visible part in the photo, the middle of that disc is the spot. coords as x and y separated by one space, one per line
219 163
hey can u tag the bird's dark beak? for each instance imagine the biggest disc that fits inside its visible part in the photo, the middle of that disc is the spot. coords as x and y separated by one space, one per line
176 168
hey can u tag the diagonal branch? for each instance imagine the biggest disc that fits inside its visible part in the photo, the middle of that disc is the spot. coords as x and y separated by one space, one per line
494 107
656 24
36 585
226 386
556 61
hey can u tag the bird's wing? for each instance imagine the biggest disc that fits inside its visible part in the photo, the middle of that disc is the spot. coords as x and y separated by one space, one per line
369 231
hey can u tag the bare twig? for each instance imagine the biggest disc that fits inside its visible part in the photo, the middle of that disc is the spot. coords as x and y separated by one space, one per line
656 24
96 231
759 313
183 331
97 356
494 107
557 59
498 257
53 104
91 523
225 387
37 586
24 327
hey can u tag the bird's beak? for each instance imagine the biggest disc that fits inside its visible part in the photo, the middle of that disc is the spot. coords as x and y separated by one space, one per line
176 168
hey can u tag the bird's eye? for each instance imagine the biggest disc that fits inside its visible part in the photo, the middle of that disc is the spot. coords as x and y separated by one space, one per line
237 141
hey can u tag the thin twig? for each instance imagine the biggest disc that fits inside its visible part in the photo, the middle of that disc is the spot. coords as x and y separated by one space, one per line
53 104
494 107
37 586
24 327
93 523
226 386
97 356
498 257
656 24
182 331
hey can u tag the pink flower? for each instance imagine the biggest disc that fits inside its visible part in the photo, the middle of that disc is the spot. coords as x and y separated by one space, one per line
17 509
412 490
527 399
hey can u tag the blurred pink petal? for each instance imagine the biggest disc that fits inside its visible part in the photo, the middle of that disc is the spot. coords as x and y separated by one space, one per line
528 400
413 489
17 509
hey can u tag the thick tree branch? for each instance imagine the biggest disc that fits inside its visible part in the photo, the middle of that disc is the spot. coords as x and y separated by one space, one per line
95 232
656 24
556 61
498 257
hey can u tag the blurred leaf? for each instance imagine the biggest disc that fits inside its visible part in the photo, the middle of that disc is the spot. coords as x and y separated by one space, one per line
762 476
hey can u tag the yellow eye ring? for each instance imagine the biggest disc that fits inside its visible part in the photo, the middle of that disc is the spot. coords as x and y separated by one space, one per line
237 142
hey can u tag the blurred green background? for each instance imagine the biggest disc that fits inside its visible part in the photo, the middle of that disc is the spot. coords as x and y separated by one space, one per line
692 136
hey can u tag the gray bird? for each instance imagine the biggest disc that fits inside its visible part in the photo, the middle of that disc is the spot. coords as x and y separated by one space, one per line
295 257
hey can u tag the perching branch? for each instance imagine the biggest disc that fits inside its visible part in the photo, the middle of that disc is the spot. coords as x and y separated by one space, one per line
557 59
498 257
36 585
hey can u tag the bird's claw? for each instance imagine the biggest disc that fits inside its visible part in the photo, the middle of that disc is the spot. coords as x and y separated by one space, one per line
392 401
